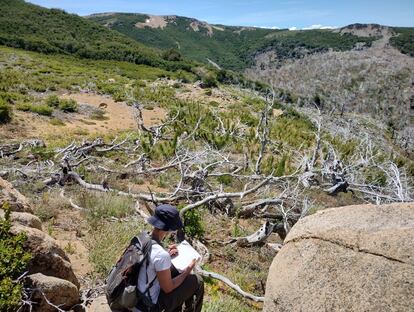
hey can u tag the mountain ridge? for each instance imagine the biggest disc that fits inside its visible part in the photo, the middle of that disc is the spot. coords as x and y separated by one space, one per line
231 47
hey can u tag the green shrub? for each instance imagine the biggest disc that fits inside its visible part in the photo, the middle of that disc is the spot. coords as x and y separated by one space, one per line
56 122
68 106
5 112
172 55
248 119
42 110
52 101
25 107
209 81
13 261
193 225
225 179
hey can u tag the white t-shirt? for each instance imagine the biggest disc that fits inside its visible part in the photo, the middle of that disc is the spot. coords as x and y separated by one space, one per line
160 260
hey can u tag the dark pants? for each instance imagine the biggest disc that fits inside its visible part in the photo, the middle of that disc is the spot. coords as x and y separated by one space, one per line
190 294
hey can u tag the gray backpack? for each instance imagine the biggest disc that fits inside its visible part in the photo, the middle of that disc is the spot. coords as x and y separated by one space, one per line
121 284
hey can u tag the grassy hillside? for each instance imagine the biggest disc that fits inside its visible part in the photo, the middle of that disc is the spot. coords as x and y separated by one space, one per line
404 41
27 26
230 47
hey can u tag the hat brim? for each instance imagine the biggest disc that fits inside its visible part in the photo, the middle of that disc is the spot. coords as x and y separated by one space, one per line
159 224
154 221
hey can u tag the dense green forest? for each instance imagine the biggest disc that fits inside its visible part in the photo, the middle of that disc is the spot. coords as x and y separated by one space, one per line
27 26
404 41
228 46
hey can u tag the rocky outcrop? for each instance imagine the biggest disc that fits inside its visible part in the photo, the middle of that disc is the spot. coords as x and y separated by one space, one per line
47 257
49 270
58 291
16 200
354 258
24 218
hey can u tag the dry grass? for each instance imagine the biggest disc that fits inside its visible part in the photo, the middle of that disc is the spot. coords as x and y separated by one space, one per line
107 241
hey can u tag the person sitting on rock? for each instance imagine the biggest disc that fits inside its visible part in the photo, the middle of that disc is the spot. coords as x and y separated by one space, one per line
170 289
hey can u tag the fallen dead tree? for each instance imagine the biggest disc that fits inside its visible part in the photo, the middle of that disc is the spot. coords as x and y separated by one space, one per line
229 283
257 238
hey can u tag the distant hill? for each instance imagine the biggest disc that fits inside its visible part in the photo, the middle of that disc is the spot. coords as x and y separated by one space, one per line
227 46
231 47
404 40
31 27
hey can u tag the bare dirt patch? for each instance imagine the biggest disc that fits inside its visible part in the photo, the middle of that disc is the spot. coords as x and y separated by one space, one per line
194 92
154 21
118 116
195 25
119 113
66 231
76 251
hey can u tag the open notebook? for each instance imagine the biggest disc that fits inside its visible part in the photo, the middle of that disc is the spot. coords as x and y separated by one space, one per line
186 253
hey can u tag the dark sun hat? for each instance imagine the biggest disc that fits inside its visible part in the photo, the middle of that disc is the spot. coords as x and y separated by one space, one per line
166 217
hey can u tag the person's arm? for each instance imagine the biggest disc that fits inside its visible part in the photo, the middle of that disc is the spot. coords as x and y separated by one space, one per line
167 283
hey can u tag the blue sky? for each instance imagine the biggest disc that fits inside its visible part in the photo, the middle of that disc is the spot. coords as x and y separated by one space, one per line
262 13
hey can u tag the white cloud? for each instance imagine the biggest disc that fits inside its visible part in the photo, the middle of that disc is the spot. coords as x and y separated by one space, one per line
267 27
319 26
316 26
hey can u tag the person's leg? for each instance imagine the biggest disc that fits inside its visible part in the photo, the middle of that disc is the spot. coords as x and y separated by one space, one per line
192 286
195 303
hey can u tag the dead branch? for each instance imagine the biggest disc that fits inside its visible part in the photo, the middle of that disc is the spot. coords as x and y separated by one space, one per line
62 194
256 238
225 195
248 210
229 283
263 131
73 176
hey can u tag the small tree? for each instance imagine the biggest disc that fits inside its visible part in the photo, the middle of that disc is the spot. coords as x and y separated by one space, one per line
68 106
172 55
5 112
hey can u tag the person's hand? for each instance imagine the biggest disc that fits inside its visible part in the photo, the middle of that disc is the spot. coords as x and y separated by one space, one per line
191 266
172 250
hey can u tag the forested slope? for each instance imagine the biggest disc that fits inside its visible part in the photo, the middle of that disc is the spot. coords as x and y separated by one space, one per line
31 27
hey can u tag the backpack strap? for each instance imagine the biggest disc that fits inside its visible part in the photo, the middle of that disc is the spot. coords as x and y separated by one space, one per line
150 284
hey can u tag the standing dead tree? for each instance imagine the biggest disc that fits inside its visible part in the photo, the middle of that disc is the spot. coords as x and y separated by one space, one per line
262 131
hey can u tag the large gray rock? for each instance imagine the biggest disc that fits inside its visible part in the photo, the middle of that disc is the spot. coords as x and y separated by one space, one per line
59 292
24 218
354 258
15 199
47 257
